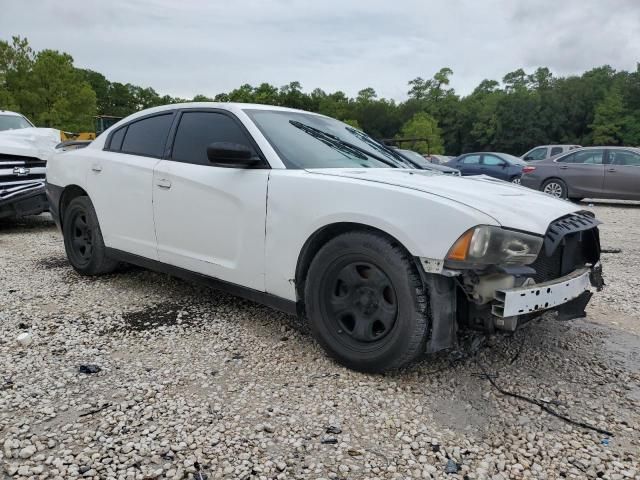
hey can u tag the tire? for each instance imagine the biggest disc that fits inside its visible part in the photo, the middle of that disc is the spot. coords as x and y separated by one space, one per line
556 188
83 240
366 304
515 179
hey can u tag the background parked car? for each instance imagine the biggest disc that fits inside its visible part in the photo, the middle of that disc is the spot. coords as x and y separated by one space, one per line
547 151
591 172
424 164
438 159
497 165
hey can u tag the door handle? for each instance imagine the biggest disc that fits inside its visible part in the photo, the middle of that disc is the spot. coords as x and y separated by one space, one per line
164 183
563 167
611 170
96 167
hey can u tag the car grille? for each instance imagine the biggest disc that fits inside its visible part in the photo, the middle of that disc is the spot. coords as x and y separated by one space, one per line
571 242
19 170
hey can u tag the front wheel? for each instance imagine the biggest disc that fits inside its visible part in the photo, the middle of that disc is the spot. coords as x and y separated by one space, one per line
83 239
555 187
365 302
516 180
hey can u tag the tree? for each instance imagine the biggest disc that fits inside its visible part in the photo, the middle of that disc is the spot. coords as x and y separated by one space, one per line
425 128
609 121
56 95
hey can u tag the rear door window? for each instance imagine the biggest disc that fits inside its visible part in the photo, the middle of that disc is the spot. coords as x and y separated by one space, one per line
471 160
197 130
147 136
589 157
492 161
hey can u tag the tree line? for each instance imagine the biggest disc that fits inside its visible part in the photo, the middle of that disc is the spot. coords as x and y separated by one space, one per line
599 107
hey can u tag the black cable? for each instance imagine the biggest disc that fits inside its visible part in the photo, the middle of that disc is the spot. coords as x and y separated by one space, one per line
541 405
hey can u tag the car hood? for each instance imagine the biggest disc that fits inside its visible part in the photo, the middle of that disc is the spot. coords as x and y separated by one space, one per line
512 206
30 142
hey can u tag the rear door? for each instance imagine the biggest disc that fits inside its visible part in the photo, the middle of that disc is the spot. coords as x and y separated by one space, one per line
210 219
622 175
469 165
120 180
494 167
583 172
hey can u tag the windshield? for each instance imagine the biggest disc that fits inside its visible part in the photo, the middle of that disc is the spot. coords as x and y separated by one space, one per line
313 141
13 122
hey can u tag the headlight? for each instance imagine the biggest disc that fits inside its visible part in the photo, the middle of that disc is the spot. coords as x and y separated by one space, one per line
487 245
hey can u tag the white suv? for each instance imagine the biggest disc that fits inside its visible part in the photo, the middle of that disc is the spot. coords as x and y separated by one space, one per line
311 216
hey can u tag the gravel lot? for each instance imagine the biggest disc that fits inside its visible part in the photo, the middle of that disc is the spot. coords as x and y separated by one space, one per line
197 384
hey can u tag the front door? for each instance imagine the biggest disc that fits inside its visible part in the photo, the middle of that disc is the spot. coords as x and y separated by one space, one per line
622 175
210 219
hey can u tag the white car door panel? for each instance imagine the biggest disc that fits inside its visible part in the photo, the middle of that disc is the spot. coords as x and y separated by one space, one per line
125 212
211 220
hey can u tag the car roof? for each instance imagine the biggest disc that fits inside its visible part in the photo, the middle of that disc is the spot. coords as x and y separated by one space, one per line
230 106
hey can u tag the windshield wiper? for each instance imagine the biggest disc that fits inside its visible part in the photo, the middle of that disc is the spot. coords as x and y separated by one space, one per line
381 147
336 142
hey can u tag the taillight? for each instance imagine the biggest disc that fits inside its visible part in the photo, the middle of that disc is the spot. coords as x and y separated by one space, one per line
528 169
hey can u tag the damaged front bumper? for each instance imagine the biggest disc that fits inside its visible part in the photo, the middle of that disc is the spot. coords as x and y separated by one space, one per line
18 201
542 296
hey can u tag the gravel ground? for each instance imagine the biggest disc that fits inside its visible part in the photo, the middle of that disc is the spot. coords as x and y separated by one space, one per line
198 384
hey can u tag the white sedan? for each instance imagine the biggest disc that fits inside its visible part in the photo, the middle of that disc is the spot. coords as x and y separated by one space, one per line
311 216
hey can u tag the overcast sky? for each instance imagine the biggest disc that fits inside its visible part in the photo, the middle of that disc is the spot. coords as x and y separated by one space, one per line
185 47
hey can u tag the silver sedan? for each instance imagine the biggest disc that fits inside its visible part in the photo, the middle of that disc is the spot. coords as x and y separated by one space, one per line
590 172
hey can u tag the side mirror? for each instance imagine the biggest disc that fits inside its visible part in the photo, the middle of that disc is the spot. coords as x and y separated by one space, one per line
231 155
527 158
503 165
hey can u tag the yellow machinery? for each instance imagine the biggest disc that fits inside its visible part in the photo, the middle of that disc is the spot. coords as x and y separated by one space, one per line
102 122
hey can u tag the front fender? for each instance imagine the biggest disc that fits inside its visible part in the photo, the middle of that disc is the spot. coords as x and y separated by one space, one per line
300 203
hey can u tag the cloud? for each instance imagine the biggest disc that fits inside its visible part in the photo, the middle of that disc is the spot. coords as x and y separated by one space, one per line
197 46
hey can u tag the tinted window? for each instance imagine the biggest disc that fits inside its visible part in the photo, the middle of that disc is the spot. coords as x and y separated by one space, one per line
471 160
147 136
537 154
492 161
199 129
116 139
556 151
592 157
624 157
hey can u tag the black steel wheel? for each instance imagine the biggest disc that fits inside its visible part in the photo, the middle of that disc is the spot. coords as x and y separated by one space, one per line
83 240
360 302
365 302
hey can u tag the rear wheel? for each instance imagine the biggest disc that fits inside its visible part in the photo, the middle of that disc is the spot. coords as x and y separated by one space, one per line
555 187
516 180
366 303
83 239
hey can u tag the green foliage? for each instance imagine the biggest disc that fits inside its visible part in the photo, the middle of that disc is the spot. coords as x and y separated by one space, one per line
523 110
423 126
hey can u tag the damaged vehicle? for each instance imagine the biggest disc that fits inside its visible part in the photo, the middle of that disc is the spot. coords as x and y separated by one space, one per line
313 217
24 150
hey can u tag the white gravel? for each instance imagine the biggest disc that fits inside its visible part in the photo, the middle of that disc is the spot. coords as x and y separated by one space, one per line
198 384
